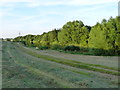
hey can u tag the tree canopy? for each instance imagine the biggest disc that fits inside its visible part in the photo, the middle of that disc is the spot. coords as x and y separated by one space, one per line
104 35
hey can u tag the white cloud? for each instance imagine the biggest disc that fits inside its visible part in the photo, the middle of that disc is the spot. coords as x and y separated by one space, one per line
69 2
11 3
6 1
35 3
43 20
24 18
89 2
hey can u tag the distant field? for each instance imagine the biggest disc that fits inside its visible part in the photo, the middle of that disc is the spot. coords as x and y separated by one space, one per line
24 67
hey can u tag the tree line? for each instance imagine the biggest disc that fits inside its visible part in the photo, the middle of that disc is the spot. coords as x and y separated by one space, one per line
100 39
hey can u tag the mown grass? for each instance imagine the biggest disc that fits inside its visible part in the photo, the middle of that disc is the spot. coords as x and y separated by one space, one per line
38 72
73 52
39 68
72 63
62 72
17 74
23 70
76 71
96 65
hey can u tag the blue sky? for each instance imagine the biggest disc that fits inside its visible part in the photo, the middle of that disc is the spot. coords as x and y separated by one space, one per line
38 16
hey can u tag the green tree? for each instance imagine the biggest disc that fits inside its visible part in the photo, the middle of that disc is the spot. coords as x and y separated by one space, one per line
97 37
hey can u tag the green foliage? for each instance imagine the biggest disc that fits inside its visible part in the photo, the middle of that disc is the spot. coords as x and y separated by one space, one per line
103 37
97 38
71 48
23 42
43 47
56 47
8 39
74 33
102 52
53 35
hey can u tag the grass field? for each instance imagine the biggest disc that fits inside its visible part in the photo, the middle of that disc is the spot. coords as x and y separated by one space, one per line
24 67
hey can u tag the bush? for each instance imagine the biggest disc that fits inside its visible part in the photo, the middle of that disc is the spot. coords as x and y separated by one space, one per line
118 52
71 48
102 52
56 47
84 49
23 42
43 47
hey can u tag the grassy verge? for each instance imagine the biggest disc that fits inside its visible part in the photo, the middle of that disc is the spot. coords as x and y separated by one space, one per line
71 62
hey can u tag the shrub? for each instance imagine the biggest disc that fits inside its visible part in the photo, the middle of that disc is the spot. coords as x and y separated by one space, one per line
56 47
84 49
102 52
97 52
43 47
71 48
118 52
23 42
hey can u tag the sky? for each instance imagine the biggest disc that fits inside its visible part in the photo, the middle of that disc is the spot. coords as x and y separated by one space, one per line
38 16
